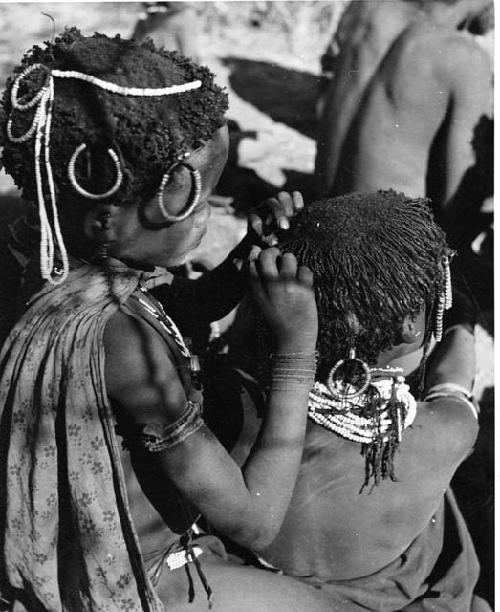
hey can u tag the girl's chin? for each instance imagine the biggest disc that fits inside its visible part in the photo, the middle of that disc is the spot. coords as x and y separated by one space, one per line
175 262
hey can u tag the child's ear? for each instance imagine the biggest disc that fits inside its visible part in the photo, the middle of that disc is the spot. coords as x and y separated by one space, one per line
98 222
412 328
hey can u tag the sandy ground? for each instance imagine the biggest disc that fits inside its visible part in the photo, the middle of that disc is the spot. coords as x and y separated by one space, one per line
272 96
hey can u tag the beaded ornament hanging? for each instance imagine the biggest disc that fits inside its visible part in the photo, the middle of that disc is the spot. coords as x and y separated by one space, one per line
43 102
445 300
373 411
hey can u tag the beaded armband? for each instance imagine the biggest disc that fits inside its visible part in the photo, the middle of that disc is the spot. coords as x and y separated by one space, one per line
454 391
155 437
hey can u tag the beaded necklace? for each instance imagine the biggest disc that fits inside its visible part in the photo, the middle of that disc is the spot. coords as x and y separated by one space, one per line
369 417
156 310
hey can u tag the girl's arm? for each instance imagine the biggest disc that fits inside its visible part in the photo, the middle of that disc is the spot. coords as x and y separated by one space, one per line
453 359
247 505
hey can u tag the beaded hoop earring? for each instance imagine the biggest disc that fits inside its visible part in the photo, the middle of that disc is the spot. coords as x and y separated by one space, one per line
84 192
196 191
330 381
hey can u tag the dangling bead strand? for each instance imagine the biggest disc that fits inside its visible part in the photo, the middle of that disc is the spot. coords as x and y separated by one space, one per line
448 292
445 300
43 102
60 273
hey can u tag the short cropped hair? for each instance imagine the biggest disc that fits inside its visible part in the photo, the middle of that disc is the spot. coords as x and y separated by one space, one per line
146 132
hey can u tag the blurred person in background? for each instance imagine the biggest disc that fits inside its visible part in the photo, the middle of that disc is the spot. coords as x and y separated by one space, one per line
365 32
173 25
410 85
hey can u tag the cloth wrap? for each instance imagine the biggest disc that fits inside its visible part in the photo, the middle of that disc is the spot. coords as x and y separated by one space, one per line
68 542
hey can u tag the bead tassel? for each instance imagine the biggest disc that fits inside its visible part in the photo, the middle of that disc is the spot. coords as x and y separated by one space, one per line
445 301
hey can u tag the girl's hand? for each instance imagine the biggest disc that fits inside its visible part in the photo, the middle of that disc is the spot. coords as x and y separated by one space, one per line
272 215
284 293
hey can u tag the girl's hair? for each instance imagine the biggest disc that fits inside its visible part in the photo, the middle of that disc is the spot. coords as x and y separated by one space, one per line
146 132
376 257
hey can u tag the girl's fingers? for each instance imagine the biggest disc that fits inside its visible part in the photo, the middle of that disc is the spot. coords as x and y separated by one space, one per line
298 200
267 264
286 202
281 207
274 213
284 210
288 266
255 282
305 276
254 253
255 222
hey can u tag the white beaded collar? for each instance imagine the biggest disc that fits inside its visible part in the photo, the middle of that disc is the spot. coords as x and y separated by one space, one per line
343 416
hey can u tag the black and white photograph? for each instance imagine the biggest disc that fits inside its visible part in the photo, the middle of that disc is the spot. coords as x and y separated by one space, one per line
247 306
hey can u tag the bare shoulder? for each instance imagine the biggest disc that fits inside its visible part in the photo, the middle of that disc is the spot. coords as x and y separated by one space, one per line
452 422
452 50
452 59
466 67
139 371
464 42
443 40
466 51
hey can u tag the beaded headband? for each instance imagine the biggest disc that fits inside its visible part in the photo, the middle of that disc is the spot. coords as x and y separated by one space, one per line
43 102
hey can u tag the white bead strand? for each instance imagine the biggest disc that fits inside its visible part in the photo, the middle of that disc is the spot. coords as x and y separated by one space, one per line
43 102
143 92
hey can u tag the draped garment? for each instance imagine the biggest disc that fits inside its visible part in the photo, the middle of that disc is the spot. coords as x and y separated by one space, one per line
67 538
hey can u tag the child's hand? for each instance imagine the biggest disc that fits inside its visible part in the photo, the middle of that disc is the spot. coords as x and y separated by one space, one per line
284 293
272 215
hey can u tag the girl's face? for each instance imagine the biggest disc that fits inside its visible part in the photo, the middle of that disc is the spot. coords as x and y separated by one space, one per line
170 246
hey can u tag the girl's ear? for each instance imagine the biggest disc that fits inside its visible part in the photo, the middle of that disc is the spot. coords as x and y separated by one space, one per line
412 328
98 222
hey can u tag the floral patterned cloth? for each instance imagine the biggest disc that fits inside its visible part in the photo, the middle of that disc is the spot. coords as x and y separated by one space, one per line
67 536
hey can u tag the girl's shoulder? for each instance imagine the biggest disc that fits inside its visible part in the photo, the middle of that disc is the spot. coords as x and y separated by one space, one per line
447 421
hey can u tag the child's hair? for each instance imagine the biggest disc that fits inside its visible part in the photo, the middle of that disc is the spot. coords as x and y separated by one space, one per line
376 257
146 132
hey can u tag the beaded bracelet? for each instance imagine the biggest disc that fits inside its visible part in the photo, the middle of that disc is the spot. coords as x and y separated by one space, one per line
450 390
155 437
